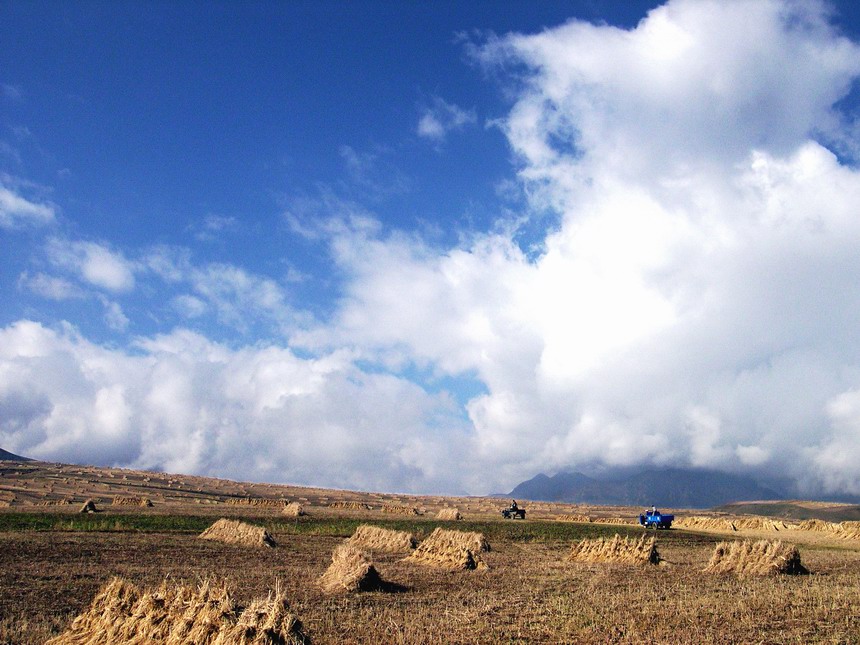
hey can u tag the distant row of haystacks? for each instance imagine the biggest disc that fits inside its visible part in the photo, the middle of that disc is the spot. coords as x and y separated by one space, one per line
843 530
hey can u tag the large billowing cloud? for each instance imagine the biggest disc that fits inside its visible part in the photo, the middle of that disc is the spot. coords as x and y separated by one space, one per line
694 303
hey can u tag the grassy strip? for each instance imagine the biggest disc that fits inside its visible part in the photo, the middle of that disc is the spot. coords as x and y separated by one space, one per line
516 531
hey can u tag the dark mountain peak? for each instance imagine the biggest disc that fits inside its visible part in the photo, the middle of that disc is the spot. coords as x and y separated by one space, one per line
5 455
671 487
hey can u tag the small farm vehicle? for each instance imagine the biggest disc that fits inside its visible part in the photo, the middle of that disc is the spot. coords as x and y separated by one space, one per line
654 519
513 512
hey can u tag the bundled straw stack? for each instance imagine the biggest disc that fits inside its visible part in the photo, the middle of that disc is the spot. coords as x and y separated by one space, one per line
131 501
374 538
761 558
351 570
122 614
235 532
451 550
628 551
399 510
257 502
449 514
293 509
89 507
355 506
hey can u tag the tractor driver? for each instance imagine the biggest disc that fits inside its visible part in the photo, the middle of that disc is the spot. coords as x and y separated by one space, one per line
514 505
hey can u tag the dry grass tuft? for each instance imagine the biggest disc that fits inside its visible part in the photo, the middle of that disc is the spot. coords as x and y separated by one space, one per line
375 538
131 501
351 570
629 551
761 558
176 614
294 509
451 550
236 532
89 507
449 514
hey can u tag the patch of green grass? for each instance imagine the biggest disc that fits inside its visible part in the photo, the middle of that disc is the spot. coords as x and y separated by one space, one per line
515 531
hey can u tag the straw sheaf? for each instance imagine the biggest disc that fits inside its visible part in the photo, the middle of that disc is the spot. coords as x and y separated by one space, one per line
356 506
628 551
574 517
451 550
449 514
612 520
399 510
257 502
56 502
374 538
761 558
701 522
89 507
351 570
294 509
131 501
178 615
236 532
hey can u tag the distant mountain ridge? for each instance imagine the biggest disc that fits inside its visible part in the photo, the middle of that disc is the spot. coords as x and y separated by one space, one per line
670 487
5 455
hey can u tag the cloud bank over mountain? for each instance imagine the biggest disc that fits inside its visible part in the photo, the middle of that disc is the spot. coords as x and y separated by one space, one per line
691 300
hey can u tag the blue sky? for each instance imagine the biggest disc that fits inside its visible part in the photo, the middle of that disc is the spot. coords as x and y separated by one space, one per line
431 247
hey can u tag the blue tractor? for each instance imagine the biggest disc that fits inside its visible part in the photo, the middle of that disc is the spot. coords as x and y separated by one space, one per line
654 519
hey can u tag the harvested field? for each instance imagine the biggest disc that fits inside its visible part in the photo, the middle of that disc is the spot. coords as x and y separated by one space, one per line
451 550
351 570
760 558
176 614
617 549
449 514
374 538
236 532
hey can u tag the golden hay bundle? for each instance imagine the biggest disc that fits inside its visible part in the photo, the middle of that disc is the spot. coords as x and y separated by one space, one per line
850 530
574 517
399 510
452 550
56 502
89 507
351 569
760 524
761 558
374 538
629 551
131 501
819 526
257 502
449 514
236 532
612 520
356 506
701 522
293 509
176 615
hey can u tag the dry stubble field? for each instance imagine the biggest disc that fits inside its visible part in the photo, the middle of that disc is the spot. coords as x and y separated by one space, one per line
52 564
